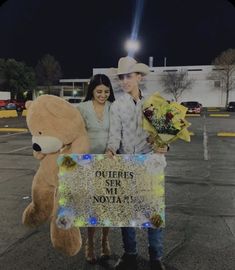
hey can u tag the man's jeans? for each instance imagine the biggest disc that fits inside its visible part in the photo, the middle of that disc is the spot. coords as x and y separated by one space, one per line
155 239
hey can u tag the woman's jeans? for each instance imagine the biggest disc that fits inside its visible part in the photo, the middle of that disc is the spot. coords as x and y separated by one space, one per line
155 239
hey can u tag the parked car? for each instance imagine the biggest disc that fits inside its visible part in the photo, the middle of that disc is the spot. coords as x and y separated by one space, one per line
74 100
10 106
193 106
3 103
231 106
15 105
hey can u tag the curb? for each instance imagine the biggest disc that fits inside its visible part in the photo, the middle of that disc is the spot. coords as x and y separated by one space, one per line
11 113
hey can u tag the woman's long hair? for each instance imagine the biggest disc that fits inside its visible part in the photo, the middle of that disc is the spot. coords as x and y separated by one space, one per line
96 80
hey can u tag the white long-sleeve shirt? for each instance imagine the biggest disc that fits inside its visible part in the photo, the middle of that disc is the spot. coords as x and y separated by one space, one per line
126 131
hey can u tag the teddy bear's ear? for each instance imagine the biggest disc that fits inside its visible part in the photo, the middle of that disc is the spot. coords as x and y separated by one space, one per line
28 103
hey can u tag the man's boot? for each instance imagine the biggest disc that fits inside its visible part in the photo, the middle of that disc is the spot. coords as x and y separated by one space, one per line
127 262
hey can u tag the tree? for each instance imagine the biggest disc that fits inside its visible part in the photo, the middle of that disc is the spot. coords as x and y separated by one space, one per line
2 65
48 71
224 71
17 77
176 82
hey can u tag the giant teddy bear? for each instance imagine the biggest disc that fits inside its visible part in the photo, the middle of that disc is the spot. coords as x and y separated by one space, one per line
57 128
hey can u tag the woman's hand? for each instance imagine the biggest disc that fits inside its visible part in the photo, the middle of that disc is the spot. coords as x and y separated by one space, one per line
163 149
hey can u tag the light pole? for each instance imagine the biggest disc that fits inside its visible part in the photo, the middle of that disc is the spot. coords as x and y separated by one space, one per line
164 61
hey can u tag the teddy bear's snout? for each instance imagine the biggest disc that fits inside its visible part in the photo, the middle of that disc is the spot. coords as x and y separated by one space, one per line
36 147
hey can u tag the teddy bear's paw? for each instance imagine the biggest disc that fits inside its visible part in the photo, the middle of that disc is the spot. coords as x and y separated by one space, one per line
31 217
69 247
68 251
68 242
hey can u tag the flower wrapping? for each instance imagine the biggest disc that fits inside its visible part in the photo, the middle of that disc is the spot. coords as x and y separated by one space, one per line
165 121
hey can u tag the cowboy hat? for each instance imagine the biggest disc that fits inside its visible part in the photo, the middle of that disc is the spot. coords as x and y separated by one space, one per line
129 65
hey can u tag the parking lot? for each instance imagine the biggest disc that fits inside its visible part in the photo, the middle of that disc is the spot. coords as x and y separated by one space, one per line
200 202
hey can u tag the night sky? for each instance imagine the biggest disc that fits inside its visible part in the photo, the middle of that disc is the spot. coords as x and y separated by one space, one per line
82 34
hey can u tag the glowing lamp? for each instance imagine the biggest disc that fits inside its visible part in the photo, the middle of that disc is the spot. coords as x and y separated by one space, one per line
132 45
146 225
86 157
93 220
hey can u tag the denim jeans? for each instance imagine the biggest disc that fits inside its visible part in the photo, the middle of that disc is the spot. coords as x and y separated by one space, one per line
155 240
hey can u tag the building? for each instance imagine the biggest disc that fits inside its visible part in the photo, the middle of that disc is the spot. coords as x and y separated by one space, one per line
205 90
68 89
73 87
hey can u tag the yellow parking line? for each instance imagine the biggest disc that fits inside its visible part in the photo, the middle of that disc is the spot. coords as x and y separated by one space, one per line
24 113
226 134
219 115
189 114
13 129
8 113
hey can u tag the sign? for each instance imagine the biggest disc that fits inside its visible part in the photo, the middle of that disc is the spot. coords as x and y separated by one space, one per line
126 191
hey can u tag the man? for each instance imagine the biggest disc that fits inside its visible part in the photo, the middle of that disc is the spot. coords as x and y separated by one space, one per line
128 137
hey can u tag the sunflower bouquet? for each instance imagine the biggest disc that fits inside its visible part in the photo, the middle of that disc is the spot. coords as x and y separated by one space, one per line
165 121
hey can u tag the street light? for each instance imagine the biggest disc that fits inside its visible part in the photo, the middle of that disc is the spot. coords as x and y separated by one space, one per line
132 46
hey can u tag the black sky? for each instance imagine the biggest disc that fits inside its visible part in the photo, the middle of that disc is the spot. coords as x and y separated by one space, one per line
82 34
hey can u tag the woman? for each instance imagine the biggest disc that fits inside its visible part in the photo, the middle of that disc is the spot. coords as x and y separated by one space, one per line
95 112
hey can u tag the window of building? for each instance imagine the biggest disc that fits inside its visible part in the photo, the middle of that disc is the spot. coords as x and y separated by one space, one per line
217 68
170 70
195 69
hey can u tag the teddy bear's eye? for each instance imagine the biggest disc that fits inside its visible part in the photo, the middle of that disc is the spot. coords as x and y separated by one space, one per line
40 133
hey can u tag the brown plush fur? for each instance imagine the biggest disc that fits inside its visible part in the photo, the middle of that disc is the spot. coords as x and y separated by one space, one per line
52 116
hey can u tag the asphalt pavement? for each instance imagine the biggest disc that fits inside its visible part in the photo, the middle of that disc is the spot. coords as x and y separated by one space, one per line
200 204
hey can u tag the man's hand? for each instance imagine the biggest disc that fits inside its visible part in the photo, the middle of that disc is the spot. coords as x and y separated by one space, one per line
161 149
110 153
150 140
